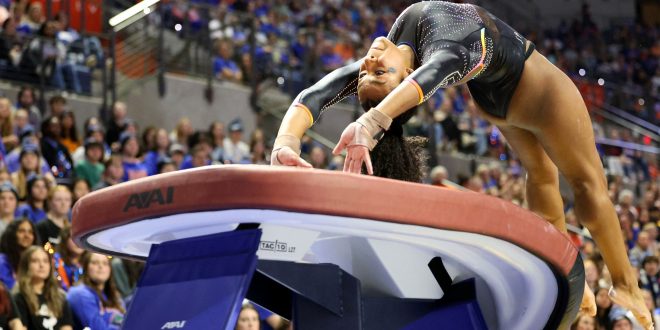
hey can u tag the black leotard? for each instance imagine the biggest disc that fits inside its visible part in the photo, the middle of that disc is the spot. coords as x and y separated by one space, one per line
453 44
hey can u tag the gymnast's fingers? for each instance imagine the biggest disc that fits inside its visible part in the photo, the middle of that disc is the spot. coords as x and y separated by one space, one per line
300 162
339 147
344 140
367 162
357 155
287 157
274 158
355 165
347 162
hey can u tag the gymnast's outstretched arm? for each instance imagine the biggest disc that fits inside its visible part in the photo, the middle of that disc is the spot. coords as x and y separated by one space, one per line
307 108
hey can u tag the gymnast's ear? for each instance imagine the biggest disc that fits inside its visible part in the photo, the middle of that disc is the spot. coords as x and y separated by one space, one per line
407 72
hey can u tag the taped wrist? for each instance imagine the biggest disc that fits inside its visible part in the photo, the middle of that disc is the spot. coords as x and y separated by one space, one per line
287 140
376 124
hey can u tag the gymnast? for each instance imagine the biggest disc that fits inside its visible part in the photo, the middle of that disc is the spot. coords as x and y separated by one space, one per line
535 105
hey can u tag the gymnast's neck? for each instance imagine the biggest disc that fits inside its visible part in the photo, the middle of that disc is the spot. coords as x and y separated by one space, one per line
409 55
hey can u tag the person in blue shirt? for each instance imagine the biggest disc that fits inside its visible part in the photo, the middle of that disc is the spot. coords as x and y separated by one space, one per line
30 165
95 301
224 66
28 138
18 236
159 152
134 168
200 153
35 207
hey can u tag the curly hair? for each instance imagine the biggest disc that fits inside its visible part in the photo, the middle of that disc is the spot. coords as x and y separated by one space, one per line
9 242
395 156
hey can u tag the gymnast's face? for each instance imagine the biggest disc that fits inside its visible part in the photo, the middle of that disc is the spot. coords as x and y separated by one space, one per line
383 69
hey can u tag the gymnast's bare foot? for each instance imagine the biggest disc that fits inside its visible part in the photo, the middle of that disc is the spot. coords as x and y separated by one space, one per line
631 299
588 305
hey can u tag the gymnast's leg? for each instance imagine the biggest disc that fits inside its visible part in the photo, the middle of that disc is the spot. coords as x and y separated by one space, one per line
542 182
560 122
542 189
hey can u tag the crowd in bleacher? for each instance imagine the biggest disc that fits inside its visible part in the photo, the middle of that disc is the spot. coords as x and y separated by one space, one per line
34 48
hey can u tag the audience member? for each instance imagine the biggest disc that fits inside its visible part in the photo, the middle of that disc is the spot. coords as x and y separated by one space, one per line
80 188
134 168
40 301
69 132
19 235
35 206
27 100
113 174
56 154
236 151
91 168
66 260
59 205
8 204
95 301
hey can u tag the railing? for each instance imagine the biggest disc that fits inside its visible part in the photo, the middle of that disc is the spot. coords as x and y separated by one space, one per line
622 122
190 49
134 42
622 96
625 95
599 103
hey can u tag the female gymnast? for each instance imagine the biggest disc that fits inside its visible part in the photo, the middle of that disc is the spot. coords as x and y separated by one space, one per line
537 107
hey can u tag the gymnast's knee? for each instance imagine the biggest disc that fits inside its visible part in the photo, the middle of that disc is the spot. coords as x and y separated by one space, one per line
543 175
585 186
590 196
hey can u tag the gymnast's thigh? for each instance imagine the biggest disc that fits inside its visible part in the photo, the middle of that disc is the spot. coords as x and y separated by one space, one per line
531 153
549 105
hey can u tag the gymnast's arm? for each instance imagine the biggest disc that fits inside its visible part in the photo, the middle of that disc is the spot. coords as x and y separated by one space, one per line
307 108
445 68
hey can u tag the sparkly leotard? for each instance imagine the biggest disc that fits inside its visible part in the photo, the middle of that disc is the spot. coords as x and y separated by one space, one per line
453 44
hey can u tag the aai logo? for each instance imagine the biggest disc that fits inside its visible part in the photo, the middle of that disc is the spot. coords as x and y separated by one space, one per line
174 325
145 199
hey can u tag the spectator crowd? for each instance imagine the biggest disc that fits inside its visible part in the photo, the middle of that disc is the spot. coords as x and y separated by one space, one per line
45 168
34 47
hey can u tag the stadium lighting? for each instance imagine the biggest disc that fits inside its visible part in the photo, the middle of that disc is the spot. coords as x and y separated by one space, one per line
601 81
130 13
641 101
582 72
177 27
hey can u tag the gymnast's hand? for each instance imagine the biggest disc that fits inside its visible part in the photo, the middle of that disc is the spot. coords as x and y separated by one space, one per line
287 157
357 142
361 137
